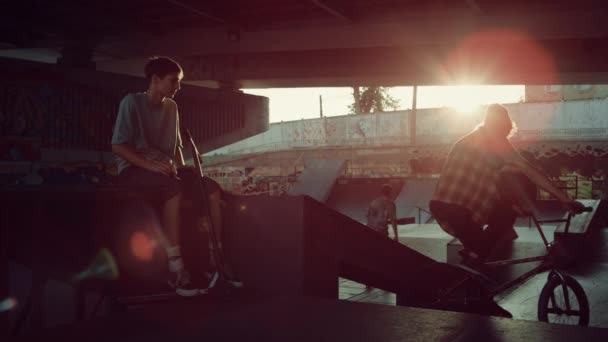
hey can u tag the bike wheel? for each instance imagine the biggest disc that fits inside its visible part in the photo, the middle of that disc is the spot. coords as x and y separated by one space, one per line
552 302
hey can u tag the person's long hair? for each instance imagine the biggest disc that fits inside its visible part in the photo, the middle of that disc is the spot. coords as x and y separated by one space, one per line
497 119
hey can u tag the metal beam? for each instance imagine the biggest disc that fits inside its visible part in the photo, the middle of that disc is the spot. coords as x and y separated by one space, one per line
474 5
199 12
487 63
411 33
331 10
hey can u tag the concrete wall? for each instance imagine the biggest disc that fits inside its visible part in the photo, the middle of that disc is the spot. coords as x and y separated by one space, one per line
65 108
349 130
567 120
542 93
565 139
584 164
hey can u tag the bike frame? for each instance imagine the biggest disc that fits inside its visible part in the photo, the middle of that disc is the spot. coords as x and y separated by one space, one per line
547 262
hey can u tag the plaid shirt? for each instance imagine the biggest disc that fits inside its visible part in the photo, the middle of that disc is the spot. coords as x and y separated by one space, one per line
469 177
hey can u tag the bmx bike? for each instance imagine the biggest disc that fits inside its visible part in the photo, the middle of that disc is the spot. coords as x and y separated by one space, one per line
562 298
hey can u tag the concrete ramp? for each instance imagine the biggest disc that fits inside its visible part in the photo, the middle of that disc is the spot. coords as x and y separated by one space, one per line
428 239
306 319
317 179
353 198
296 245
416 193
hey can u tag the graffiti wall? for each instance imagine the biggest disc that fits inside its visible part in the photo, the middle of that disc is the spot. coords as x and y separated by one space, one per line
75 109
578 167
250 181
59 117
349 130
568 141
566 120
570 120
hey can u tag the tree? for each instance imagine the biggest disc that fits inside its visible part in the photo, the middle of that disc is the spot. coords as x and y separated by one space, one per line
371 100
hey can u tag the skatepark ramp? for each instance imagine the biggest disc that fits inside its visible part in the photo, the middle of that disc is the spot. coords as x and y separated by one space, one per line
317 179
298 246
413 200
352 197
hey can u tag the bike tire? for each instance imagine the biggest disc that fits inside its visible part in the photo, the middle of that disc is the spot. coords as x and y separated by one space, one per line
547 297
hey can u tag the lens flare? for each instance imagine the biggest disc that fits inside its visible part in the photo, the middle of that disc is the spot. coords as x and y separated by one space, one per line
142 246
501 54
8 304
103 266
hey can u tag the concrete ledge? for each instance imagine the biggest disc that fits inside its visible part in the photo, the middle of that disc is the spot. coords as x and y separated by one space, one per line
428 239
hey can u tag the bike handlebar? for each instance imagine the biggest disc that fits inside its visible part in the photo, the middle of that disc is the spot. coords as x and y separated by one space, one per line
581 210
576 207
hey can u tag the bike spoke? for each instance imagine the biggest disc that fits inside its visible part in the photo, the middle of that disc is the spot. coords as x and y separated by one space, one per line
553 304
564 306
566 296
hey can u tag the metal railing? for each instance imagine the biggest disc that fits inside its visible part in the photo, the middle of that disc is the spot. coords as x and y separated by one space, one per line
419 212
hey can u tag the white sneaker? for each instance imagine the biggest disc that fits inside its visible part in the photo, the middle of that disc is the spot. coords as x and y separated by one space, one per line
213 277
183 285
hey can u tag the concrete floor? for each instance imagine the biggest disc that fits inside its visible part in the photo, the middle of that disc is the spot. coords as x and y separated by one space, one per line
591 273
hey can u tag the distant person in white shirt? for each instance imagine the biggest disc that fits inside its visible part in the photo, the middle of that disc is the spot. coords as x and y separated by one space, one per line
383 211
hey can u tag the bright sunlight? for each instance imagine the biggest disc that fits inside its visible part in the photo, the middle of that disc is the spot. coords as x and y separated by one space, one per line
287 104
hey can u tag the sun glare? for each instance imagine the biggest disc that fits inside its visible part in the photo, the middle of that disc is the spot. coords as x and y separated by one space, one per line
465 98
466 102
303 103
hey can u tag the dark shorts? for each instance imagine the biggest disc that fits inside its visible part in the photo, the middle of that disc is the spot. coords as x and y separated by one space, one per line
458 221
159 188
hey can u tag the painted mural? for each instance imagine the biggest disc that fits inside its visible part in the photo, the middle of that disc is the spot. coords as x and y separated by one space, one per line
567 140
250 181
579 168
572 120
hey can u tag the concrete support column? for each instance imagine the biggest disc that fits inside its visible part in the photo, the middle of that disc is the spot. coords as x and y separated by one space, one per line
412 120
78 56
229 85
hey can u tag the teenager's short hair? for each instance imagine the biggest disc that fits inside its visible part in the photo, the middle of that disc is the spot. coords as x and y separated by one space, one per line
387 190
161 66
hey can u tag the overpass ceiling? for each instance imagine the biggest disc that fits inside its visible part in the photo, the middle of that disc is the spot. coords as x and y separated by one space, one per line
268 43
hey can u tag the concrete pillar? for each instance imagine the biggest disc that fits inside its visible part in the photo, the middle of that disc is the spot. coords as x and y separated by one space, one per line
78 56
413 116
